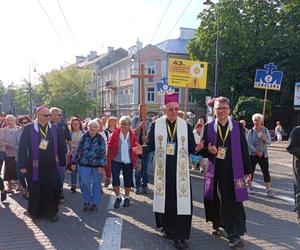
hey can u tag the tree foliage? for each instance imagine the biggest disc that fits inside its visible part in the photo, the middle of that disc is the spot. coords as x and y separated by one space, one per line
252 34
247 106
67 89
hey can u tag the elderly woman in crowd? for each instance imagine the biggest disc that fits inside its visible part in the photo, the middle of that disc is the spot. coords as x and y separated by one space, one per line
76 131
120 156
21 121
90 155
258 140
10 171
2 158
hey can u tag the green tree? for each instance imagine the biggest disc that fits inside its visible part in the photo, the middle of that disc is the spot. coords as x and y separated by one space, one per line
247 106
67 89
2 88
252 33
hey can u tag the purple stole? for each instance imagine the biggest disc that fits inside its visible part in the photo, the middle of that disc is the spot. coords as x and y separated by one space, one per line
240 187
35 151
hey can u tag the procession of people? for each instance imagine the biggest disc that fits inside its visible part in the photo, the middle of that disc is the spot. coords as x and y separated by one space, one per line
38 153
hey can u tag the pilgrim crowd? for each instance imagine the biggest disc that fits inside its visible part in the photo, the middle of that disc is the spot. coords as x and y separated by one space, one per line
37 153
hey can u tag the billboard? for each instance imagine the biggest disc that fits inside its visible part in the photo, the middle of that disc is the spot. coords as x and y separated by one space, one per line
187 73
297 95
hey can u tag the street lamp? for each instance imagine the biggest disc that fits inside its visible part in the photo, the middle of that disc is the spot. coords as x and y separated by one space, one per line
232 90
217 63
31 65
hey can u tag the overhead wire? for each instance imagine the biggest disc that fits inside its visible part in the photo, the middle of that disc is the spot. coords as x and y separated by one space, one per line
50 20
180 16
66 20
160 21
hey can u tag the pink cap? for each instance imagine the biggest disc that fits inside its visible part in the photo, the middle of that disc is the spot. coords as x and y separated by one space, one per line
171 98
39 108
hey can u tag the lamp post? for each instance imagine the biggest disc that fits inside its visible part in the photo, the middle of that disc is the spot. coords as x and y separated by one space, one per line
31 65
97 94
217 63
231 90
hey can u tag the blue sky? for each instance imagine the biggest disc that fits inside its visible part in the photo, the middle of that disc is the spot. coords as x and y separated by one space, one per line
28 37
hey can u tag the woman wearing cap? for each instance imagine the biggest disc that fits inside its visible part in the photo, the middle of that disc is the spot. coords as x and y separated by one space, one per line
21 121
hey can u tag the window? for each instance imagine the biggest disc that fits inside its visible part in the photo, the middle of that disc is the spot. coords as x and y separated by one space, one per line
150 79
177 90
150 94
191 98
151 67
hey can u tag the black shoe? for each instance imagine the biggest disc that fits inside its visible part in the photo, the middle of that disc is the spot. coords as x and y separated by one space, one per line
180 244
126 202
86 206
61 198
236 242
146 190
93 207
117 203
3 196
54 218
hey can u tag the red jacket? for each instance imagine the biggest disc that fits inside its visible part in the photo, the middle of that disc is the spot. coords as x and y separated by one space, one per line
113 146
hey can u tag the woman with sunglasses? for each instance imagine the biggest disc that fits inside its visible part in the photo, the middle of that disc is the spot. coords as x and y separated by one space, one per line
21 121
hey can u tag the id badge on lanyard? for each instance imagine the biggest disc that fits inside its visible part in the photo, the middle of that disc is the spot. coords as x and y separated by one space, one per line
43 144
171 148
221 154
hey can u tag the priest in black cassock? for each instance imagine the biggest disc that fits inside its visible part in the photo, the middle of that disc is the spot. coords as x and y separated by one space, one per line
294 149
227 172
39 158
172 140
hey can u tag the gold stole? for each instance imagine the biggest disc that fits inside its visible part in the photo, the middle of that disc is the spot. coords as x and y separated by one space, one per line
182 167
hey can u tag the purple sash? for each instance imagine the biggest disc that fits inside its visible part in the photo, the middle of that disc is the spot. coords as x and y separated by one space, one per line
35 151
240 187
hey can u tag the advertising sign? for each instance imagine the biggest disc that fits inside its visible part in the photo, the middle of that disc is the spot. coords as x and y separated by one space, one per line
297 95
187 73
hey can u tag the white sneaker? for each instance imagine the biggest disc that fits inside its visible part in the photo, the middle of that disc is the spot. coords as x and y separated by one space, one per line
250 190
270 192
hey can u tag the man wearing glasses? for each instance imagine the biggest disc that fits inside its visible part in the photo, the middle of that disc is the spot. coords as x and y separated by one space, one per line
228 170
65 137
172 140
39 158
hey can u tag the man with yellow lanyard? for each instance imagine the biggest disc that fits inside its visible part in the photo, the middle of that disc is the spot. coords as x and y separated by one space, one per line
39 158
228 170
172 140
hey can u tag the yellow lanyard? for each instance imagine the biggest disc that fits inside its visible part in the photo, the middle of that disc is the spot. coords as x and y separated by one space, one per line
44 134
226 134
174 131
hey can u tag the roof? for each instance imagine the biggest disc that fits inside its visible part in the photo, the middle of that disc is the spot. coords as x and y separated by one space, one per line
174 46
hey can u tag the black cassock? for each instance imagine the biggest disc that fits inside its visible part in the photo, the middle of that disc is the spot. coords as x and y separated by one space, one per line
294 148
178 226
44 193
224 210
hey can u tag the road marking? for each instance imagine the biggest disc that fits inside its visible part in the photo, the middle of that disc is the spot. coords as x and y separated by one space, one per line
111 236
111 202
280 197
